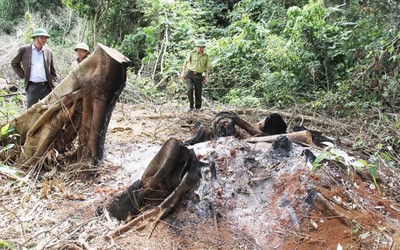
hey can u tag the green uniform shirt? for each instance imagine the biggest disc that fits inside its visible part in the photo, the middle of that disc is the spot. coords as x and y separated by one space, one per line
198 63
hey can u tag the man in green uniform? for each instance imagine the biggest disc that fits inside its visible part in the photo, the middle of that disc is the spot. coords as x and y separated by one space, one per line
197 62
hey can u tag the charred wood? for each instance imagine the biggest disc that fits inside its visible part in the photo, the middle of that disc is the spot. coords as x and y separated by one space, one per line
320 203
224 125
168 177
200 135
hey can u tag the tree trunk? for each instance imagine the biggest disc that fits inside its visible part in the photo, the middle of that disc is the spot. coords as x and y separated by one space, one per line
80 105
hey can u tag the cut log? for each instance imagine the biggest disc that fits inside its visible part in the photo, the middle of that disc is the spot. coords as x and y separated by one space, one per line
80 106
224 125
273 124
317 137
299 137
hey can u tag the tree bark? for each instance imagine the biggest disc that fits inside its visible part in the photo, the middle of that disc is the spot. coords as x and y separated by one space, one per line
80 106
224 125
301 137
167 178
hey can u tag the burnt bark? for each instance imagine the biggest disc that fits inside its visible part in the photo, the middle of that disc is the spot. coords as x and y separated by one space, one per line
170 174
155 214
224 125
200 135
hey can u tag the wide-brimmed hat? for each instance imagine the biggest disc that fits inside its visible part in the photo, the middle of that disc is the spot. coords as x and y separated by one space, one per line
83 46
200 43
40 32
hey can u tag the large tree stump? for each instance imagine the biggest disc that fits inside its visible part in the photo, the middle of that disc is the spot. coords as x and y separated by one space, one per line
79 107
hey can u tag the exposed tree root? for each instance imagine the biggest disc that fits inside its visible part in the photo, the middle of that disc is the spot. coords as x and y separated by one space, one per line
319 202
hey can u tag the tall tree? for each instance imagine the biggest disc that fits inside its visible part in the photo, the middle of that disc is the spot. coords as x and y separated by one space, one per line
110 20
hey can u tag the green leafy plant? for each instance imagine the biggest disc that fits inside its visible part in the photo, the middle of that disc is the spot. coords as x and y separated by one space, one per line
7 131
332 153
6 245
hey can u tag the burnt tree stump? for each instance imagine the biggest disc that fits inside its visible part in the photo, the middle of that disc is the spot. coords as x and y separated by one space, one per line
170 174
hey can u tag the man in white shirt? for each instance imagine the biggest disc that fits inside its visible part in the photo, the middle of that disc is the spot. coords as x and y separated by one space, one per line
34 63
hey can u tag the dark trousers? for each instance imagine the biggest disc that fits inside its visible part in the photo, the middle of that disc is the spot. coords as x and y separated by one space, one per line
36 91
194 82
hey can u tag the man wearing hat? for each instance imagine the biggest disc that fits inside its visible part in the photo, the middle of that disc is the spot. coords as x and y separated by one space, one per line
197 62
82 51
34 63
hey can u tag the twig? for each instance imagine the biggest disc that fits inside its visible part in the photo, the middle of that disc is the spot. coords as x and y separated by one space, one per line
11 94
157 212
214 213
19 220
77 228
83 242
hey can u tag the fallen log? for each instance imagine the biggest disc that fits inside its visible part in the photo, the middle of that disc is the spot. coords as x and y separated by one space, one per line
79 107
299 137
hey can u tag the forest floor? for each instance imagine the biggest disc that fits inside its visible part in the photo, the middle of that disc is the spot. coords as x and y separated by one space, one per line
260 200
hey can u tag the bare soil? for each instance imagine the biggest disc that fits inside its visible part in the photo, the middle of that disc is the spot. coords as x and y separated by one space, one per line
258 201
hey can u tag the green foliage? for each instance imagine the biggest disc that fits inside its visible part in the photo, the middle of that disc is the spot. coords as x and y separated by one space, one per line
272 13
331 55
164 35
12 11
333 153
6 245
109 21
242 98
254 61
372 172
7 132
325 44
138 90
9 107
323 156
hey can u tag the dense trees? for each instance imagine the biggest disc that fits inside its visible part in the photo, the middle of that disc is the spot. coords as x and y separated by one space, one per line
333 58
270 53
